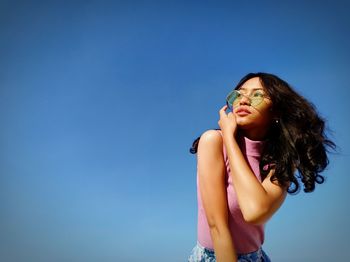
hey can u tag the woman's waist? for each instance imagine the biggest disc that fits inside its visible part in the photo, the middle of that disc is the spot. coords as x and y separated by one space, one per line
247 238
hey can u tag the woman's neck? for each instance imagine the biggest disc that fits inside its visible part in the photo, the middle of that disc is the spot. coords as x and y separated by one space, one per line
255 135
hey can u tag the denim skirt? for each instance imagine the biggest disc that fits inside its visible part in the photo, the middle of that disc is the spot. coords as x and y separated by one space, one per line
202 254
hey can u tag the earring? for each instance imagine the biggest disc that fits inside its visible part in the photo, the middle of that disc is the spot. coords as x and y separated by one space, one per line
276 121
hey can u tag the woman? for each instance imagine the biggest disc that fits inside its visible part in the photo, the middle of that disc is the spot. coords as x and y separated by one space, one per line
271 141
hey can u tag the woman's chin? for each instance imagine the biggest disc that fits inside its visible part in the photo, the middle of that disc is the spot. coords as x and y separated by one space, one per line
241 122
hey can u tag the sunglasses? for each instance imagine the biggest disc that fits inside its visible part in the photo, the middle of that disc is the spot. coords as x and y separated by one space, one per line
234 98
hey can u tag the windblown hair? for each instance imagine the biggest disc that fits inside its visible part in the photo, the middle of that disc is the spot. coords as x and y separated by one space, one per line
297 146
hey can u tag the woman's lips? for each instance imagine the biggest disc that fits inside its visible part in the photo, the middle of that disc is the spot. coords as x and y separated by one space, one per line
242 112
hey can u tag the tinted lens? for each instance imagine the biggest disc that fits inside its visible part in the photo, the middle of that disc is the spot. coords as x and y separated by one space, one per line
256 100
233 98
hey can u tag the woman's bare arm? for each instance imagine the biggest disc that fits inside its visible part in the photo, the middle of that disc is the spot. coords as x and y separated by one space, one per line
258 201
211 175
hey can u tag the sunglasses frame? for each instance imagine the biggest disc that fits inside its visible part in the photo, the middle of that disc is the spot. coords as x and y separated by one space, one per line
249 97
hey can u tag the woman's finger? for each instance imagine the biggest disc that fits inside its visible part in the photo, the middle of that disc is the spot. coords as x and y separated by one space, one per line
223 110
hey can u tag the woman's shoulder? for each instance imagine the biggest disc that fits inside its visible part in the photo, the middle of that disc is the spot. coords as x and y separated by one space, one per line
212 134
211 138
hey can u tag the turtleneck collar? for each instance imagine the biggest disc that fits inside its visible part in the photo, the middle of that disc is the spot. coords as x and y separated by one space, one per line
251 147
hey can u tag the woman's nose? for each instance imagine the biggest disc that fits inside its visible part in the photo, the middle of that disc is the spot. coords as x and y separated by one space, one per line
245 100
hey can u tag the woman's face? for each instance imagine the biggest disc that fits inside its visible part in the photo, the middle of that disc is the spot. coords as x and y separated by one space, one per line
253 109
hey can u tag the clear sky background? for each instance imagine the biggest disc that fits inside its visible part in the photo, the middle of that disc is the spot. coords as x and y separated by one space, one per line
100 102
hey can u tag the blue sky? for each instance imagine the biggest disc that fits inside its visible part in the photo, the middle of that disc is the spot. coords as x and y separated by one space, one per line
101 100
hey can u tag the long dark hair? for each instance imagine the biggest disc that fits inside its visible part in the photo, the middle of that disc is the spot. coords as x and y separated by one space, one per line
297 146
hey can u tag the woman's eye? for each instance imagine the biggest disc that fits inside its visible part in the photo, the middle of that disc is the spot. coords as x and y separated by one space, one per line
258 94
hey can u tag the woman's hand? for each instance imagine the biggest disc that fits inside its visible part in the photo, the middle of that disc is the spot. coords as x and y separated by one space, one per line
227 122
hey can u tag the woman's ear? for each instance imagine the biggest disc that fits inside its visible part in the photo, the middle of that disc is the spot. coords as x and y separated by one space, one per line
275 116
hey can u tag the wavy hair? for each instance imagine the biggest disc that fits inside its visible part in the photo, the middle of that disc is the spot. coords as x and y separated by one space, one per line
296 147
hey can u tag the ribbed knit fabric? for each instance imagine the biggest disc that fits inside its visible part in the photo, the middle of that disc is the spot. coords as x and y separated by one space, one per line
247 238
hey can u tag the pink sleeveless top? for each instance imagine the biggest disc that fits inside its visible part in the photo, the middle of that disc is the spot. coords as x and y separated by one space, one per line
246 237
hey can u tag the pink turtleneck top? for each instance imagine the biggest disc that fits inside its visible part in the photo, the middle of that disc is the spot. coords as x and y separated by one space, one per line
246 237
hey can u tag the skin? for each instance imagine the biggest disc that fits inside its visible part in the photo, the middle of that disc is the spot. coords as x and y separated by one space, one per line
258 201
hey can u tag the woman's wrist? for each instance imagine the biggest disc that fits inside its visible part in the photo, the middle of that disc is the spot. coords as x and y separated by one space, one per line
229 138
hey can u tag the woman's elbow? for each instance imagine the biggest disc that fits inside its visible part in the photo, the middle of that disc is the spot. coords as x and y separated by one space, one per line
219 231
256 215
218 228
255 220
